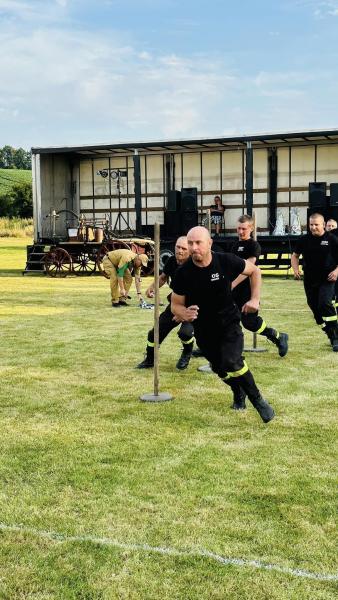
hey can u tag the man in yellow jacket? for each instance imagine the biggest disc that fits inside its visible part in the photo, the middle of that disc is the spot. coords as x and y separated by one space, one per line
118 264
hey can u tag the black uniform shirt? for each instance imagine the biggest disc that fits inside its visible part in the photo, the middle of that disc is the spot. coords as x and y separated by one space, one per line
170 268
320 256
210 287
245 249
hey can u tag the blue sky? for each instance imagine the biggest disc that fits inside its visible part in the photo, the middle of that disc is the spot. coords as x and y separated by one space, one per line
82 72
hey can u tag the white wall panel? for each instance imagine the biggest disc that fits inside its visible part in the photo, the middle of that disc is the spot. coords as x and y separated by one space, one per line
302 166
260 169
283 168
154 174
327 164
211 171
192 170
232 170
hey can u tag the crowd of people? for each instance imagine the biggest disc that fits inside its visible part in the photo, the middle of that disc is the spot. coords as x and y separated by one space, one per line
214 294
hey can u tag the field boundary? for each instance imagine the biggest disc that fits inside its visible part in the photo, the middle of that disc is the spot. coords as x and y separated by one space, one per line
196 552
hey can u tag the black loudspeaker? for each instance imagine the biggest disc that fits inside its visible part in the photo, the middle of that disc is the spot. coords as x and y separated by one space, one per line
174 200
332 213
189 219
317 194
172 223
188 199
333 194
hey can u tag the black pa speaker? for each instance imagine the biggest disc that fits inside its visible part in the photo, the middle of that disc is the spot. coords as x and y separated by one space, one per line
333 194
332 213
317 194
188 199
172 223
189 219
174 200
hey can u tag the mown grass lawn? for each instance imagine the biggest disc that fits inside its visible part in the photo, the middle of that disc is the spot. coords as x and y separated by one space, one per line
105 497
10 177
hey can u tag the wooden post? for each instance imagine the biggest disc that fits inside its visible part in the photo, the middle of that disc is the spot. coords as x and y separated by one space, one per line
157 307
156 396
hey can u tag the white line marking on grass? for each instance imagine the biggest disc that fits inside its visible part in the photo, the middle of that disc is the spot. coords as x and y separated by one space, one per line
237 562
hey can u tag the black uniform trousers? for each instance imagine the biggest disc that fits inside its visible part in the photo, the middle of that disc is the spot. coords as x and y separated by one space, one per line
166 325
222 345
320 299
251 321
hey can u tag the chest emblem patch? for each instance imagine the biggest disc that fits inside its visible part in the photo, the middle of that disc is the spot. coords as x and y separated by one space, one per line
214 276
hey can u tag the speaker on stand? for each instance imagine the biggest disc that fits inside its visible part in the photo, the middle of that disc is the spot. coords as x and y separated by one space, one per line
189 199
317 195
174 200
172 223
333 194
189 211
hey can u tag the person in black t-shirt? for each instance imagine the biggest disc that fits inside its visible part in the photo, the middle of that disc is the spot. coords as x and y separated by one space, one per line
250 250
166 319
202 295
332 227
319 249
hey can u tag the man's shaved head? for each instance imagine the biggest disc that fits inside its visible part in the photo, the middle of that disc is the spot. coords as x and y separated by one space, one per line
199 242
199 231
181 249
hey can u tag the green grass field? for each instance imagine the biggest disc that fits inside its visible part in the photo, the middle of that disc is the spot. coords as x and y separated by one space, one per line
9 177
105 497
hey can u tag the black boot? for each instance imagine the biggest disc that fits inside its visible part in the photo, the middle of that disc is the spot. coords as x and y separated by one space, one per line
239 400
279 339
247 383
239 394
148 362
332 334
264 409
184 359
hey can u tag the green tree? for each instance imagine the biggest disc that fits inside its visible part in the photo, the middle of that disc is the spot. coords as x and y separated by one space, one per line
22 159
17 202
7 154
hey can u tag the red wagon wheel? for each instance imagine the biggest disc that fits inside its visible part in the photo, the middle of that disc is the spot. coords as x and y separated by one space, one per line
108 246
58 263
84 264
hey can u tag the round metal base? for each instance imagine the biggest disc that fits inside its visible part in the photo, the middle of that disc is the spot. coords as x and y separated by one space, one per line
205 369
162 397
255 350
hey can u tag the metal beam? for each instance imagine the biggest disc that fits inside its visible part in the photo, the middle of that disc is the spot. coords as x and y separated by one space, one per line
249 177
137 187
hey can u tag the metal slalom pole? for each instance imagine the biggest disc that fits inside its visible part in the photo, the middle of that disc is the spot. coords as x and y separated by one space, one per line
156 396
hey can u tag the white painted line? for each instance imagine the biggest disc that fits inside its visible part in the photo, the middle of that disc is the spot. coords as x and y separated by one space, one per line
237 562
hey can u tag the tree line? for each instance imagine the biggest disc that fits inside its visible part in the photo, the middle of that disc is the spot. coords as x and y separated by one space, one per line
16 196
15 158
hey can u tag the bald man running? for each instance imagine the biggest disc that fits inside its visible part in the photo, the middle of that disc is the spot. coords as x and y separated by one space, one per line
202 295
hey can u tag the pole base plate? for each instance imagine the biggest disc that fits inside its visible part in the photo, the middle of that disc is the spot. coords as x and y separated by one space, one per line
162 397
205 369
255 350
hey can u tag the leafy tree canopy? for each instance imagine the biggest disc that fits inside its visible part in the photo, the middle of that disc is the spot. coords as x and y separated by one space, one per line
11 158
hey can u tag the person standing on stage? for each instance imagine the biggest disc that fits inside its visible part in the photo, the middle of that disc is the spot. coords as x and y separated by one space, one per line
319 249
250 250
202 295
166 321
